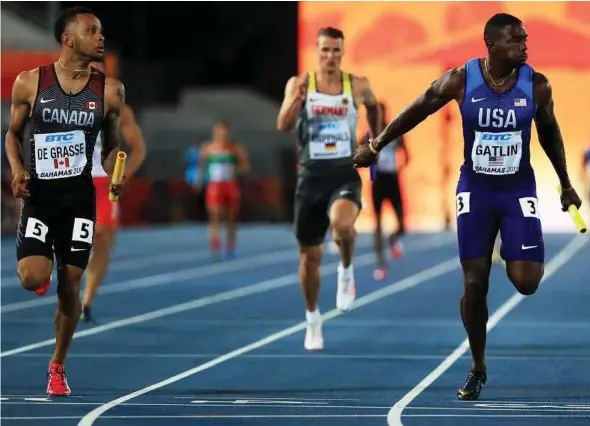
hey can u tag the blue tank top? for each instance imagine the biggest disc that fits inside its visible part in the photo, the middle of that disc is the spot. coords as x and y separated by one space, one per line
497 129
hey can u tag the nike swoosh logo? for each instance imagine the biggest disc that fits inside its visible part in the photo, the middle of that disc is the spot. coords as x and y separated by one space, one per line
77 249
477 100
44 101
523 247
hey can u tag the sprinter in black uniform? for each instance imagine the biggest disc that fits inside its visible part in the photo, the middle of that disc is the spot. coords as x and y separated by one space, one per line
386 187
66 104
322 106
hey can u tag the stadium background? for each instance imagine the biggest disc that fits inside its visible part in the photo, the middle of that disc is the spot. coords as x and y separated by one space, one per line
184 70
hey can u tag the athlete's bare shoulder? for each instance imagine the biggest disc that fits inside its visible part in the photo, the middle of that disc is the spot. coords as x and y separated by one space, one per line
360 80
205 146
363 93
296 83
451 84
114 94
543 90
25 86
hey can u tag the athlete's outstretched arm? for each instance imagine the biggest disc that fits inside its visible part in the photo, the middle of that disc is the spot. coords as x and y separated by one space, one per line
548 129
443 90
133 138
374 113
292 102
19 112
115 102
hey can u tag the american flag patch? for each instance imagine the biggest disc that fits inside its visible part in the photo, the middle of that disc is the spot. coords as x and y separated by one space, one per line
496 162
520 102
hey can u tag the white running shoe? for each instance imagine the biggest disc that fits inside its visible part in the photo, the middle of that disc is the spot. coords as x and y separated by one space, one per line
346 288
314 339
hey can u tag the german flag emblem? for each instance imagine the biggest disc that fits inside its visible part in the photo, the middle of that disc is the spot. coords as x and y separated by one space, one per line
330 146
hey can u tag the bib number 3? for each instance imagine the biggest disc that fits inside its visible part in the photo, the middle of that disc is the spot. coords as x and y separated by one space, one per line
462 200
529 207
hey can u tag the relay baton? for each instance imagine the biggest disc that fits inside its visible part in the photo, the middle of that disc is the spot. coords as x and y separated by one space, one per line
118 173
576 216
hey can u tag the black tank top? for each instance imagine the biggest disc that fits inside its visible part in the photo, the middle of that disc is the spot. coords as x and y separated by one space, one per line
63 131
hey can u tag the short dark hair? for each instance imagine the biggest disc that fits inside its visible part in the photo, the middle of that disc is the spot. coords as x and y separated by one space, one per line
222 122
331 32
492 29
66 17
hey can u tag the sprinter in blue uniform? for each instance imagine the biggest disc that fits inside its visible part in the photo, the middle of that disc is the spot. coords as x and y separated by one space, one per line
499 97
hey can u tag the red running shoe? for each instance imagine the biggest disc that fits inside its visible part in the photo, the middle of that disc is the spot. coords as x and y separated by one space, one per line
57 383
42 291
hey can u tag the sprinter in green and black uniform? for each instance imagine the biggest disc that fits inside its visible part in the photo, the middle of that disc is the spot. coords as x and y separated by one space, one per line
322 107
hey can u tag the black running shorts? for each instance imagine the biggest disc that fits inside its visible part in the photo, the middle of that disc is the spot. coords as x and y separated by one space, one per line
314 197
64 230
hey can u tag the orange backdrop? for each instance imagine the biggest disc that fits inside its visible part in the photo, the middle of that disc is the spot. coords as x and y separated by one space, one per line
403 46
14 62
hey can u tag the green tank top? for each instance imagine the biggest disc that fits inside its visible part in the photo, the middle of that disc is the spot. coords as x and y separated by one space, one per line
326 128
221 165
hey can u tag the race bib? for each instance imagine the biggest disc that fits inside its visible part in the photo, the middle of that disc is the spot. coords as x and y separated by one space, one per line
497 153
60 155
330 140
219 172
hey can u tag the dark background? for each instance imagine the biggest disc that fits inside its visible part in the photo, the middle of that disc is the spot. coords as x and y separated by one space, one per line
175 44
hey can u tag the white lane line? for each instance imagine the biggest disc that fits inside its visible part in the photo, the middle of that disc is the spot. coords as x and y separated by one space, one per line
394 417
167 278
224 296
404 284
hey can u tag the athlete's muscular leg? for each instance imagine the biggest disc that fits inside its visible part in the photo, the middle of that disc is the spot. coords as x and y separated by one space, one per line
216 214
310 258
343 214
522 241
525 275
99 262
478 222
474 307
398 207
233 213
378 231
232 226
34 271
68 310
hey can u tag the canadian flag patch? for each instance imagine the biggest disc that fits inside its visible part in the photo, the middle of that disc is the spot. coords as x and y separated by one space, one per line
90 105
61 162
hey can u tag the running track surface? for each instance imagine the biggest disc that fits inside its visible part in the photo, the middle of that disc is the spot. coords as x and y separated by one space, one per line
182 340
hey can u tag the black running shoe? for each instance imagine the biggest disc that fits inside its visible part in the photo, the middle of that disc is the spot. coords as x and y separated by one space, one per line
87 315
473 386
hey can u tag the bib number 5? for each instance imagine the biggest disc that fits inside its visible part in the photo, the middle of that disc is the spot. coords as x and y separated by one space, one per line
36 229
83 230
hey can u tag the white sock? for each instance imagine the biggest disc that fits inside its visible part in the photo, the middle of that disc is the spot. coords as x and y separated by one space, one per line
312 317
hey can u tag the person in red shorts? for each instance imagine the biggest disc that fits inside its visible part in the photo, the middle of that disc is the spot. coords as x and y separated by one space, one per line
222 160
107 214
